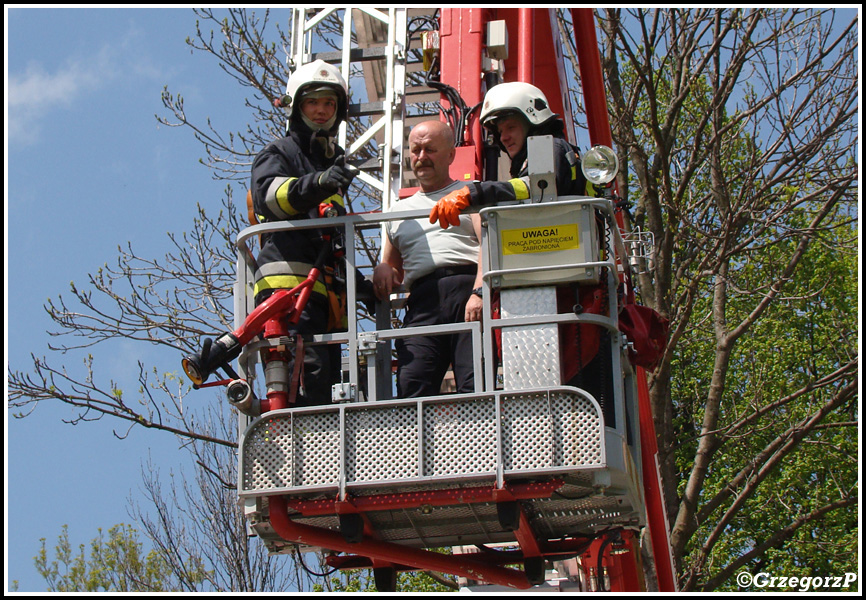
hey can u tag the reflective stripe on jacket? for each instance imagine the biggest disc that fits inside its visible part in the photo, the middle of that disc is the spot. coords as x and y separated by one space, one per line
284 187
569 178
280 275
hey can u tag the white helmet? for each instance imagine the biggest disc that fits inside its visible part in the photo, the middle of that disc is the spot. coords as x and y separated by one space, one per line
515 97
313 77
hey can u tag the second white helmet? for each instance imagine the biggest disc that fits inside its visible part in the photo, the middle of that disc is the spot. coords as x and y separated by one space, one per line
516 96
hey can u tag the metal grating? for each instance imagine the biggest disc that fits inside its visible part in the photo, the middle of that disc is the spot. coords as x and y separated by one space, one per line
542 431
267 448
411 443
550 518
460 438
368 458
554 517
577 430
472 521
577 508
527 432
316 449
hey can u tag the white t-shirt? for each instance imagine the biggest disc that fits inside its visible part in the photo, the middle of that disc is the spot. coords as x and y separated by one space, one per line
425 246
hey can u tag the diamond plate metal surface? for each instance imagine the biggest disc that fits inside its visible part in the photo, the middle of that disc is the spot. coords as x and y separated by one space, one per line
530 354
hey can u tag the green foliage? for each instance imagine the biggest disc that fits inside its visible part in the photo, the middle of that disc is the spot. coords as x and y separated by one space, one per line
812 331
420 581
740 142
353 581
117 563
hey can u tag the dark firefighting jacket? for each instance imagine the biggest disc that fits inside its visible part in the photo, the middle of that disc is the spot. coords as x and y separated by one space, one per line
570 180
285 187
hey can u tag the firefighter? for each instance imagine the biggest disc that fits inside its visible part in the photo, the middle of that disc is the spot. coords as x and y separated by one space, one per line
512 112
295 177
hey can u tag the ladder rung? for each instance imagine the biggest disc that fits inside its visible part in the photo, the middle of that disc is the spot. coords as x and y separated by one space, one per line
355 54
365 109
371 164
422 94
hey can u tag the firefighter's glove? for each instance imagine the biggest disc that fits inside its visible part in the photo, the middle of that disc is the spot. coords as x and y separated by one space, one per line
336 177
447 210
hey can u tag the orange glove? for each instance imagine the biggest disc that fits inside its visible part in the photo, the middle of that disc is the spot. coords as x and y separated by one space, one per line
447 210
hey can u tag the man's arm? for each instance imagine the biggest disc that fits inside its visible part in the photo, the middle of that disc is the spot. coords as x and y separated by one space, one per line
389 273
480 193
280 192
475 304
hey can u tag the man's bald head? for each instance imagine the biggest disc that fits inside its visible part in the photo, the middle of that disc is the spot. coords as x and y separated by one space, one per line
431 152
435 129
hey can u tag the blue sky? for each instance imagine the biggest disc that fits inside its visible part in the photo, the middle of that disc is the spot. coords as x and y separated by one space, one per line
88 168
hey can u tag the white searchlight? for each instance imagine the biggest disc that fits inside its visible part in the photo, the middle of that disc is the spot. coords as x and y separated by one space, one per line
599 165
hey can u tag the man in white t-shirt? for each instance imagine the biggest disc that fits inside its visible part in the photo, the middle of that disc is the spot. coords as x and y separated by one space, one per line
440 268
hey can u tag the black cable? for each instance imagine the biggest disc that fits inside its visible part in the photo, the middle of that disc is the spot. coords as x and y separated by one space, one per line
228 370
607 541
430 22
458 113
310 571
542 185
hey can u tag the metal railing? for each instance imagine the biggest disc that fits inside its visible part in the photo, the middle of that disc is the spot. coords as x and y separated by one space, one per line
364 340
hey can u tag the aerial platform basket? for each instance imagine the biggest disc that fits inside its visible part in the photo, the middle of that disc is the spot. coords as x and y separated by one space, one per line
528 461
425 472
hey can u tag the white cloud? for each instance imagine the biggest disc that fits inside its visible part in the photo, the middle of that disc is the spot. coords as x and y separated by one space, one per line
36 92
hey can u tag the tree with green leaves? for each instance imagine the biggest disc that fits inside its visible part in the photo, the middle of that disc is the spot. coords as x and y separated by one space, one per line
739 128
115 564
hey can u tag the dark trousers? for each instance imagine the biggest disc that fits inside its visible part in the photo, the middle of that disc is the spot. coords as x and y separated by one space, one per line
322 363
423 361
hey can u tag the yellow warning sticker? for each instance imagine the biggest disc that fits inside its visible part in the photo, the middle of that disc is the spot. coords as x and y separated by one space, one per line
540 239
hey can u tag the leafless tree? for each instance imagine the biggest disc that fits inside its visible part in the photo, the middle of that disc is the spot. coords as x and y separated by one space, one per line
740 131
197 526
173 303
739 127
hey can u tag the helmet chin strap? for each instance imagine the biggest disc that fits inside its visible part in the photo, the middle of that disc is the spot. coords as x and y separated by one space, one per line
323 133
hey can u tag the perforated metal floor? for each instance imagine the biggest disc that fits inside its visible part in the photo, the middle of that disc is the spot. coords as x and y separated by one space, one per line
434 444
